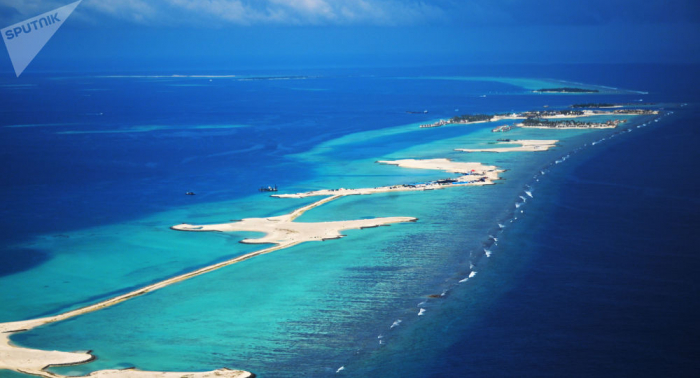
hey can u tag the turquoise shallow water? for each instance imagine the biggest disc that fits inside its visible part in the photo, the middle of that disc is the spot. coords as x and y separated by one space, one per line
310 308
308 300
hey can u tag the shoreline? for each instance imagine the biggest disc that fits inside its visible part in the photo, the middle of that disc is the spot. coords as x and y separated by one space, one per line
283 231
547 114
280 230
472 174
528 145
568 127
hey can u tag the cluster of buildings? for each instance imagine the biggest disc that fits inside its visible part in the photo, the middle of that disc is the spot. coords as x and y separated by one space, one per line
439 123
540 116
570 124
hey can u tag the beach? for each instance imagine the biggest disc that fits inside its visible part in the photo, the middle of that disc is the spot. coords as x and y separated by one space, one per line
279 230
35 362
282 231
472 174
524 145
562 115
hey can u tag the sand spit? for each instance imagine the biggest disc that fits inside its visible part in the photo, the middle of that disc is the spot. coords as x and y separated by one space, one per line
446 165
280 230
34 361
525 145
471 174
570 127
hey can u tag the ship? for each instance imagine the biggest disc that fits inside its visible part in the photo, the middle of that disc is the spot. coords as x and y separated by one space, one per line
268 189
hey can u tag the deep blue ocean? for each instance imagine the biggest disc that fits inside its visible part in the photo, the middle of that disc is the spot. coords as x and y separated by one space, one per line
604 278
598 276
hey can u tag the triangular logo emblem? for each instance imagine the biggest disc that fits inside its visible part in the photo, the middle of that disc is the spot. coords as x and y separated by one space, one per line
25 39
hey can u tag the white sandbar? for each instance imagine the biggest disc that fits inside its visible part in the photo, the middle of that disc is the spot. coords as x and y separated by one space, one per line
472 174
34 361
280 230
446 165
570 127
525 145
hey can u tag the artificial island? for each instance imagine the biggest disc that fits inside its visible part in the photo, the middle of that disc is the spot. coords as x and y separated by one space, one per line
283 231
539 115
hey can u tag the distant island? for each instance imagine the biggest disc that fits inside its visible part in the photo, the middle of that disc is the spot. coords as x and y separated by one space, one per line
538 123
467 118
566 90
536 115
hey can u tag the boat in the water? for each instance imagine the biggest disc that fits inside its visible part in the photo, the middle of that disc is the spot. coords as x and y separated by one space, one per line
268 189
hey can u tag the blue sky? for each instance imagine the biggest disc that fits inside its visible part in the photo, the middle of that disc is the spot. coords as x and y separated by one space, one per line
238 33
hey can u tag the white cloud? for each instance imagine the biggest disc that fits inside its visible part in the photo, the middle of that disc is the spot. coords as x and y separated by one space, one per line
219 13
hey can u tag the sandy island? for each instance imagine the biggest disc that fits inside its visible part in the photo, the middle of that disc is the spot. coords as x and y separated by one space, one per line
280 230
283 231
510 117
525 145
471 174
570 127
546 115
35 361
